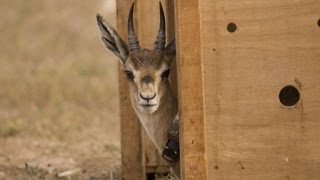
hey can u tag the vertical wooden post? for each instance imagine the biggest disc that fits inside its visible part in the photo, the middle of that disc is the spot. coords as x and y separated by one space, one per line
190 89
170 19
132 154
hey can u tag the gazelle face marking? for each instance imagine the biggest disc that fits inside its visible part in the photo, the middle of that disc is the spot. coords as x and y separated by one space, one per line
148 78
147 70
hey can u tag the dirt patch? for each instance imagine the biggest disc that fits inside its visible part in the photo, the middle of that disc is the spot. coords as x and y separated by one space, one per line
34 158
10 172
97 169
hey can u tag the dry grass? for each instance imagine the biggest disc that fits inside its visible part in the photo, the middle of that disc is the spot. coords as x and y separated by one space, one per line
58 93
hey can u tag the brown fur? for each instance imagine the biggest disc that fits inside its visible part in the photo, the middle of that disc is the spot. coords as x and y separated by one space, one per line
146 57
157 123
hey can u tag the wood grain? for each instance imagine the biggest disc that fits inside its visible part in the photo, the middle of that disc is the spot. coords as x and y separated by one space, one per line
190 90
170 19
249 134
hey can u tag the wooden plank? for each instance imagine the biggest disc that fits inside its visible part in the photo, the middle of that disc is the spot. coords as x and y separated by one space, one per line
132 153
170 19
190 90
249 134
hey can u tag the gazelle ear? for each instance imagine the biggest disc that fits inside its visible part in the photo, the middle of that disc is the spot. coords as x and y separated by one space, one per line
112 40
171 49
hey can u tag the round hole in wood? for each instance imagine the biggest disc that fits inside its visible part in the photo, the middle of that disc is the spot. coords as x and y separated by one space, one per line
232 27
319 22
289 96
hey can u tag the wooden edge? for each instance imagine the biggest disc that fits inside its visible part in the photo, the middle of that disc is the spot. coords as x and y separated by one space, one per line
132 153
190 90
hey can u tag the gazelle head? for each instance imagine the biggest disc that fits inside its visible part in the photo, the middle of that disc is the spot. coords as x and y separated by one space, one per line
147 70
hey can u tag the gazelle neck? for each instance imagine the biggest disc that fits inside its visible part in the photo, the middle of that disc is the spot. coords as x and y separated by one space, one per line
158 123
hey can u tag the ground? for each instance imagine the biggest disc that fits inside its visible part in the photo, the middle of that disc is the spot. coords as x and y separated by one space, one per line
58 92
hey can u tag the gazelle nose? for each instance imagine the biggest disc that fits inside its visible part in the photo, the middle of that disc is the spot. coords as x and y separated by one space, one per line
147 97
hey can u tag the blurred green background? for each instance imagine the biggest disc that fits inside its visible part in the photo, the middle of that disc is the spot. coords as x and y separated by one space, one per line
58 85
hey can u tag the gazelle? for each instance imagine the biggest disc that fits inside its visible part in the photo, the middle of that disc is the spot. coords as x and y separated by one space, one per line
147 72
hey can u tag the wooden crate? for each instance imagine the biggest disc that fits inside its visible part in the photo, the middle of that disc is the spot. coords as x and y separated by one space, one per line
233 59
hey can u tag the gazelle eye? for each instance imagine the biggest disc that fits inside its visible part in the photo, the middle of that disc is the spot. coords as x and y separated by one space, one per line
165 74
130 75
